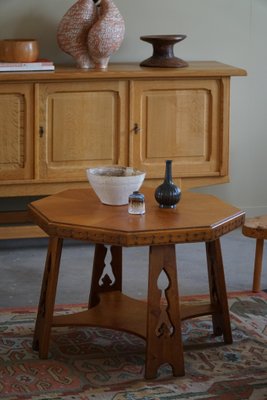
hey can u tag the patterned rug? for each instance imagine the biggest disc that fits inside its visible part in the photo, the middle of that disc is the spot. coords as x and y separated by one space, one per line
93 363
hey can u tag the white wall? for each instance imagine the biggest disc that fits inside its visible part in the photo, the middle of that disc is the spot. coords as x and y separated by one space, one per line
230 31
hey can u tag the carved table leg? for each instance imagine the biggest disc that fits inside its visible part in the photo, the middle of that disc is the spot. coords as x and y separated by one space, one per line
101 281
164 338
47 298
218 294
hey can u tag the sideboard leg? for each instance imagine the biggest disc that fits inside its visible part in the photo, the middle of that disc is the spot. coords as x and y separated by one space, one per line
44 319
218 294
164 338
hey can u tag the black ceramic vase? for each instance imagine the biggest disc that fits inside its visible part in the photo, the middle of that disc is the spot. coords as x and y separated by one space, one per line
168 194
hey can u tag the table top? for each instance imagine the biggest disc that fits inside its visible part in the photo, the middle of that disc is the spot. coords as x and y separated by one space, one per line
79 214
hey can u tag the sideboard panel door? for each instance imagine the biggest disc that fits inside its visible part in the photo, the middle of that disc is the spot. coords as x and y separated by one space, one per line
16 130
82 125
180 120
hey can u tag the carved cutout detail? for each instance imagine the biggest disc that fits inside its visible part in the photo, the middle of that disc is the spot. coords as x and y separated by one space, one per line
107 279
164 326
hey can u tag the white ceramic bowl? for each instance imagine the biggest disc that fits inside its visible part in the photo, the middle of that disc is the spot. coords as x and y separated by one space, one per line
114 184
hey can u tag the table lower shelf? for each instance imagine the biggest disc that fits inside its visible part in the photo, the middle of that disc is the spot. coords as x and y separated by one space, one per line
120 312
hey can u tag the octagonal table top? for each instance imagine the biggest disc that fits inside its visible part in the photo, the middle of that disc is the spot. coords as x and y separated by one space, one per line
79 214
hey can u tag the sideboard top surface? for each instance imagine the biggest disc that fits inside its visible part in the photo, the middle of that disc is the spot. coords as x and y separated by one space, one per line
127 71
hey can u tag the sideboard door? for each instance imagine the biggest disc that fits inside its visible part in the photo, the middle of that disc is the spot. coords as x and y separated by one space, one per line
185 120
81 125
16 132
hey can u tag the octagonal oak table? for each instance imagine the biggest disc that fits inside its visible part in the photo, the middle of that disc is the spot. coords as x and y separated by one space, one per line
78 214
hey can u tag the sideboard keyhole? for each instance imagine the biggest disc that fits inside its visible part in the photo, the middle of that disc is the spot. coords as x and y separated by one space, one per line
41 131
136 129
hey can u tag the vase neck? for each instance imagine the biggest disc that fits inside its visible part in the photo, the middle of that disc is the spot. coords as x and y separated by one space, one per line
168 171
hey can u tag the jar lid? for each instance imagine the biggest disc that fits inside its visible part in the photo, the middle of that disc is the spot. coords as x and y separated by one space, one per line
137 196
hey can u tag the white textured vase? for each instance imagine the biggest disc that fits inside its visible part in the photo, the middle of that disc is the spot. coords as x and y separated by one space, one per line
73 31
106 34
